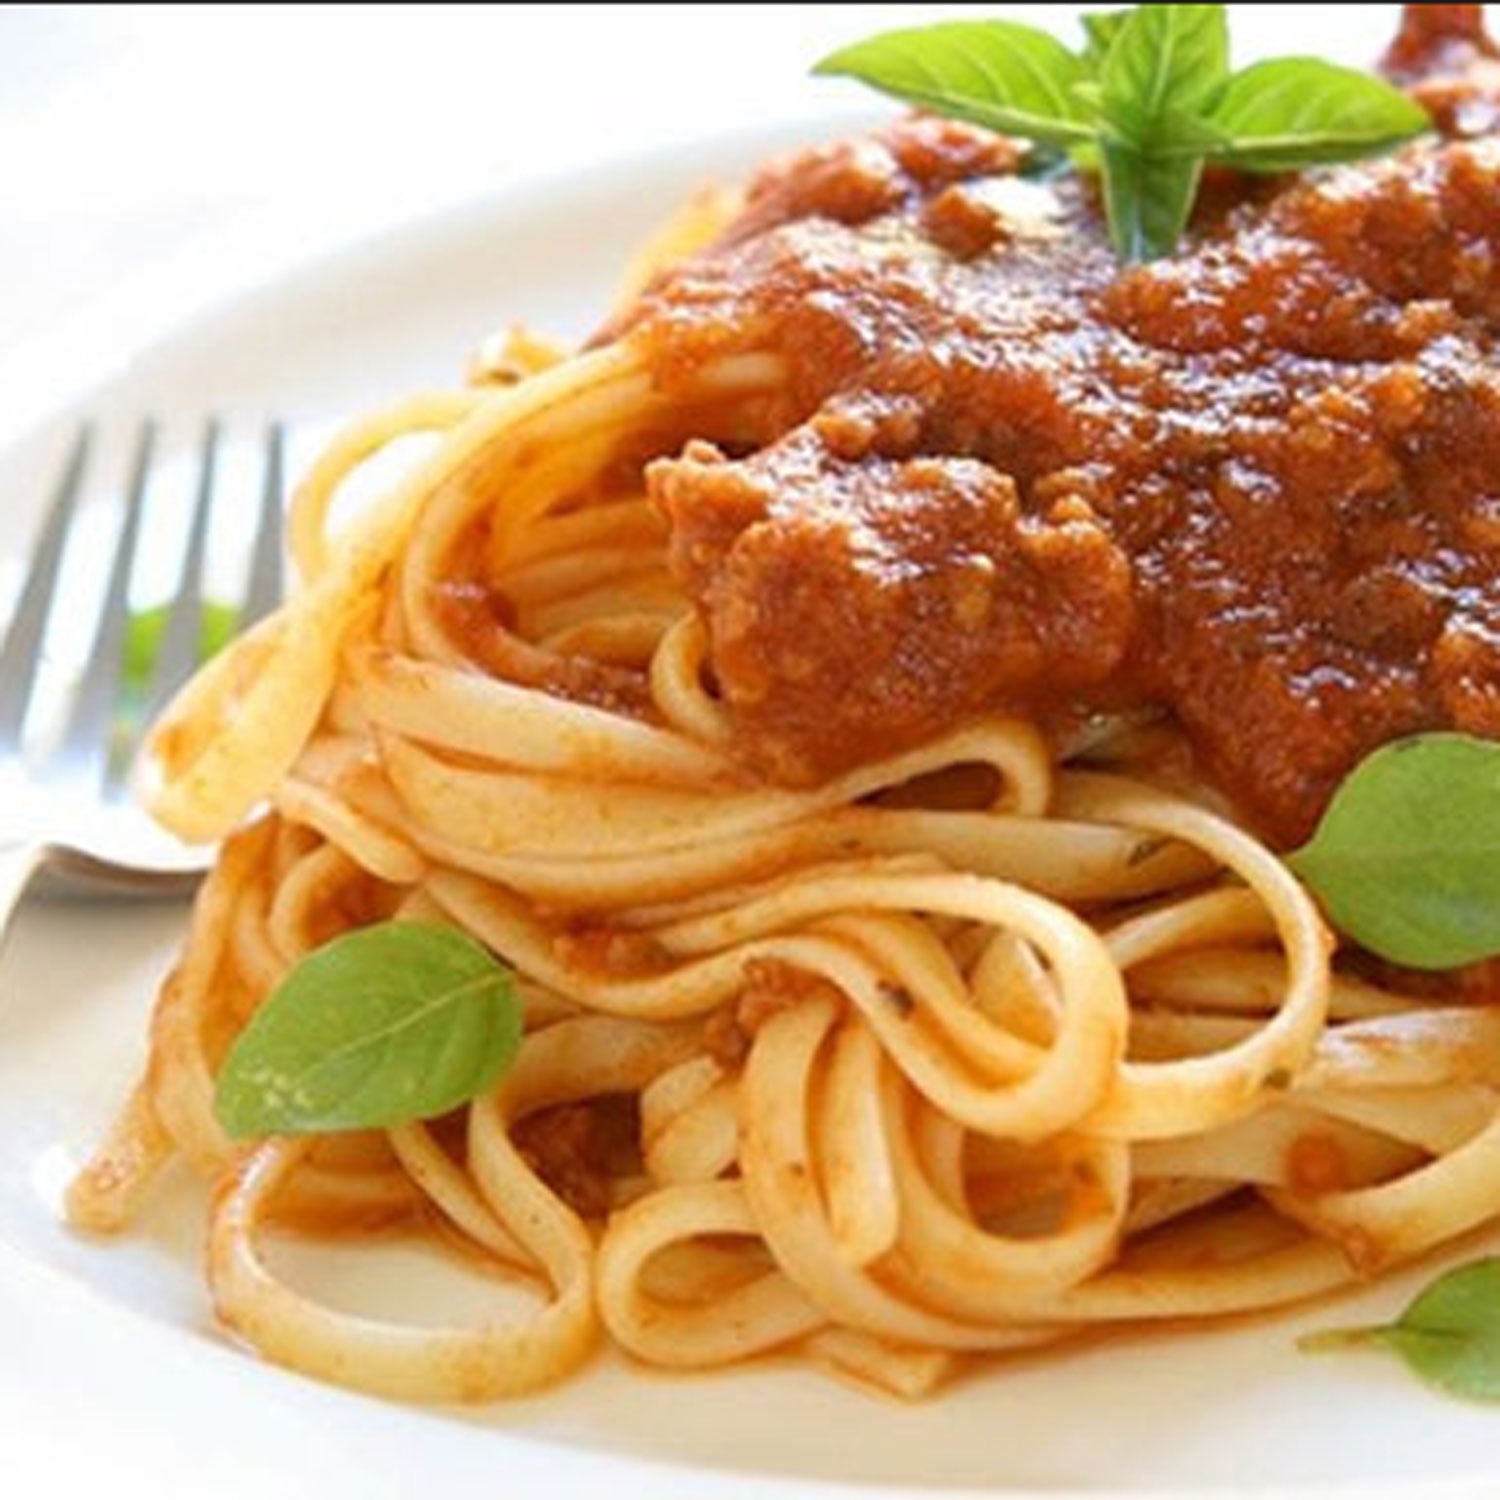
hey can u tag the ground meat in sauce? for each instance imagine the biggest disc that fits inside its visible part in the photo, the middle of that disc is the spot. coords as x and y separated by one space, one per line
770 986
580 1150
1257 482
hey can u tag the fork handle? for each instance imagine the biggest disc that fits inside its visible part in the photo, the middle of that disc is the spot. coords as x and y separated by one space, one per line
18 863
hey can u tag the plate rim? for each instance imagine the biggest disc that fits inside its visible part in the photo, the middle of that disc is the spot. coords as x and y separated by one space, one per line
550 1459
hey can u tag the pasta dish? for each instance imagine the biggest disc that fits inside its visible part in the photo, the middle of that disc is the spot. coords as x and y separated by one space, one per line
866 698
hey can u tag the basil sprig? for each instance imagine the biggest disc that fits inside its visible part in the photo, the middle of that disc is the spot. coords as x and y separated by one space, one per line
1148 101
391 1023
1406 860
1000 74
1450 1335
1157 78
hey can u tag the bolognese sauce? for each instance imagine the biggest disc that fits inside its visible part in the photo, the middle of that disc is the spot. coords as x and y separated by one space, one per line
1256 483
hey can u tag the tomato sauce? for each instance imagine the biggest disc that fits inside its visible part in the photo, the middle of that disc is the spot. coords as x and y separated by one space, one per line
1255 483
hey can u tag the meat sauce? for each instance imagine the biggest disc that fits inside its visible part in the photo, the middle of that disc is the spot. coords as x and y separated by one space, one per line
1256 483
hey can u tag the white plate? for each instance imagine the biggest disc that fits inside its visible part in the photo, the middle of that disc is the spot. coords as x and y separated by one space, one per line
110 1369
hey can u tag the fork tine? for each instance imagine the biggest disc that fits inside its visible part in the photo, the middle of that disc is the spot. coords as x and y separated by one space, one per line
182 635
263 589
84 747
22 650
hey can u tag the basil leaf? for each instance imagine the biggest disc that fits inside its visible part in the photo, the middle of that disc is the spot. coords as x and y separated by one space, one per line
395 1022
1407 858
999 74
1449 1336
143 635
1294 112
1147 198
1182 134
1146 103
1100 28
1165 62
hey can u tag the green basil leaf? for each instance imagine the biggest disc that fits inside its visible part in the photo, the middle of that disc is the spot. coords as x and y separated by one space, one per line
1164 66
395 1022
1165 63
1182 134
1147 198
1449 1336
1146 103
1407 858
1088 98
999 74
1100 28
143 635
1294 112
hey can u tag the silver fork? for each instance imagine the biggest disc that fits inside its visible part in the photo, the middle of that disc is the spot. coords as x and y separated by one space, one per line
65 806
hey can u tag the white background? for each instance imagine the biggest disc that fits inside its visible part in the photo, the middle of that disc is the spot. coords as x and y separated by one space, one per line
153 157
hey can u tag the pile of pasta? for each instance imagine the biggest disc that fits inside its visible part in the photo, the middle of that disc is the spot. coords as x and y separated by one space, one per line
985 1046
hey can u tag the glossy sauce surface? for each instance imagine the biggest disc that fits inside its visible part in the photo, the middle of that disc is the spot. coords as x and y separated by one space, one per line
1256 484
